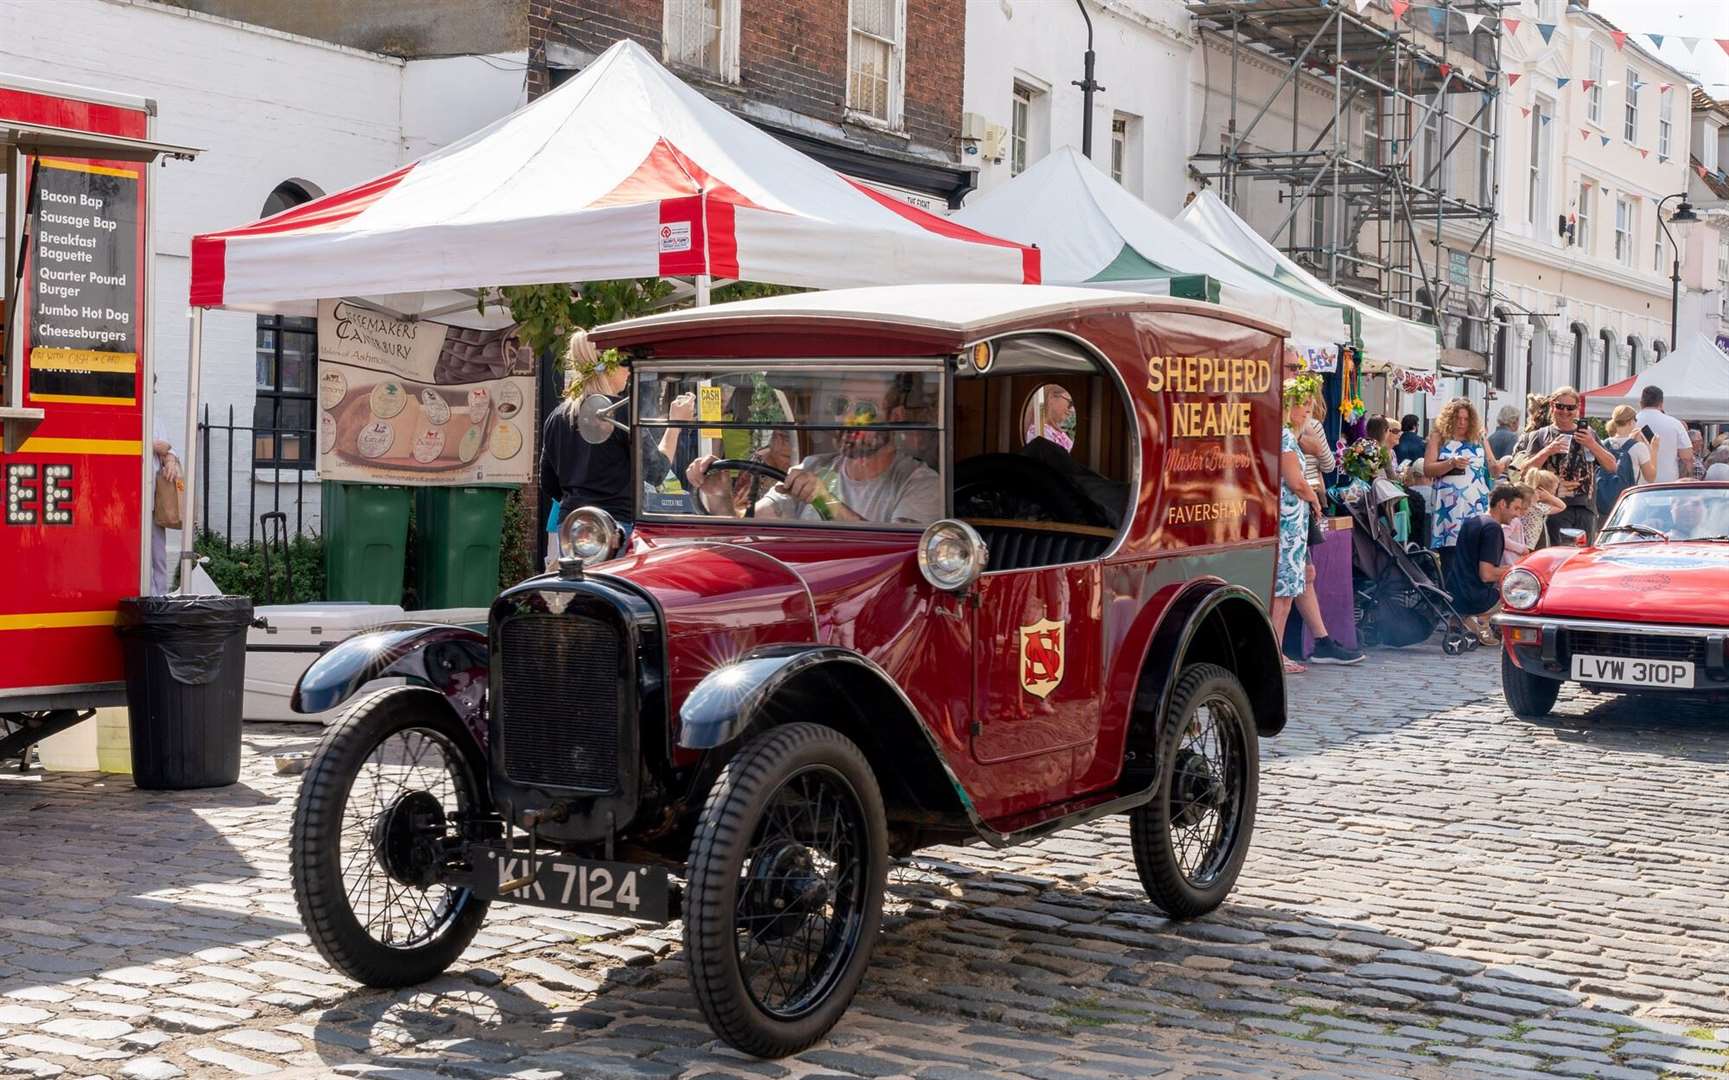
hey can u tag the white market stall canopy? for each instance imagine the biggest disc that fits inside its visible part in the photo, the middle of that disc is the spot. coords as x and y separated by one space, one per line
1694 380
1093 232
623 172
1387 340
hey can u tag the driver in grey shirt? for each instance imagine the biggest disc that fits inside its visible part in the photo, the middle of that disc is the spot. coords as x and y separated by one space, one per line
867 480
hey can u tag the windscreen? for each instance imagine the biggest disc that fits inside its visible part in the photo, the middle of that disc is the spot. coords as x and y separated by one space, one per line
1668 513
857 445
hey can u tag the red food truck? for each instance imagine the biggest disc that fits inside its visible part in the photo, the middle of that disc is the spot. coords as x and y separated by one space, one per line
74 395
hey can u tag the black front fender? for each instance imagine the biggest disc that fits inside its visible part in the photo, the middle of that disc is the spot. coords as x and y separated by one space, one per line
449 659
726 703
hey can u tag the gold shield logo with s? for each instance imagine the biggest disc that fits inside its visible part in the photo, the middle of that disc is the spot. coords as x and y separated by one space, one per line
1041 657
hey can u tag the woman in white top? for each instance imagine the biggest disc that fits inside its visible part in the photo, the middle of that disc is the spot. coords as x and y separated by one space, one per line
1623 429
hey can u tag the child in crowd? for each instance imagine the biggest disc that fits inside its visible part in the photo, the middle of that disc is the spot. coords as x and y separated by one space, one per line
1525 534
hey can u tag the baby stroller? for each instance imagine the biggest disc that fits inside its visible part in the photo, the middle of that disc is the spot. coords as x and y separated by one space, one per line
1399 600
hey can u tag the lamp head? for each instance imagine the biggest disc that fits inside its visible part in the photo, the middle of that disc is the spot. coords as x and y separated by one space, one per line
1684 214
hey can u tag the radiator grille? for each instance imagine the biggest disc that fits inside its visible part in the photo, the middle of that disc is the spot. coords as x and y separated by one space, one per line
558 705
1636 646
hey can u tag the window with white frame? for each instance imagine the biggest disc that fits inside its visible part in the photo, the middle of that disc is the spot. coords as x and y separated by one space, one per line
1657 242
1119 145
1630 129
1429 173
1126 151
1582 218
876 59
702 34
1020 128
1624 222
1485 167
1665 122
1722 262
1594 96
1537 179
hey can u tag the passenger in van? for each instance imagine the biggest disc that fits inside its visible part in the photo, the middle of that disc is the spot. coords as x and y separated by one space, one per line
866 480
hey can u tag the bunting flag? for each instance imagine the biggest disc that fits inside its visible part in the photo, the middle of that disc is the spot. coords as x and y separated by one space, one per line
1562 82
1512 25
1661 158
1361 4
1587 83
1700 169
1664 88
1605 139
1472 22
1438 18
1546 119
1446 70
1690 43
1656 39
1644 153
1612 83
1619 37
1547 29
1525 110
1723 43
1513 78
1584 133
1399 7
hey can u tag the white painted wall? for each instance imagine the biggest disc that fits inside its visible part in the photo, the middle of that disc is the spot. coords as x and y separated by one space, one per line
266 107
1142 57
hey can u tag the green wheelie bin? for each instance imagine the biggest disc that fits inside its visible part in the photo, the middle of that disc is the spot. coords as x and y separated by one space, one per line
365 541
458 533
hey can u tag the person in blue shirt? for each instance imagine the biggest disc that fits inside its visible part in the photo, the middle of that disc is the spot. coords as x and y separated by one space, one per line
1474 575
1411 446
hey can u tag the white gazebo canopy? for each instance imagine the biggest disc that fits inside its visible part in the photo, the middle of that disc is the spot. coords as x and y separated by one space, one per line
1694 380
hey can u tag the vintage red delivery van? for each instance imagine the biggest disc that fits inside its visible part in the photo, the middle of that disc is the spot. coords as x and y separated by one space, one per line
910 566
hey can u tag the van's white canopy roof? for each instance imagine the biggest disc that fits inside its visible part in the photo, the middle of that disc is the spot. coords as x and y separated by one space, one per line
1093 232
622 172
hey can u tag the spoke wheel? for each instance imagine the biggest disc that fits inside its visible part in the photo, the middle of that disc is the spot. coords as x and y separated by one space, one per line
1191 839
378 804
785 889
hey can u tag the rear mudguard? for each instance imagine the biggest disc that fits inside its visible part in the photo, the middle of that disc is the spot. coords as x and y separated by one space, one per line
449 659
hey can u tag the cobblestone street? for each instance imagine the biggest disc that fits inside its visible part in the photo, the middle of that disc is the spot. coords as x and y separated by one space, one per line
1433 890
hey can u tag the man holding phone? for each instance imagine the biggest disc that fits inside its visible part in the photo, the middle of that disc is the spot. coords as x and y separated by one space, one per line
1571 451
1675 456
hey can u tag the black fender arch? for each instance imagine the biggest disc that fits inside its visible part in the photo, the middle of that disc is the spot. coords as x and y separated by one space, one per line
845 690
450 659
1224 624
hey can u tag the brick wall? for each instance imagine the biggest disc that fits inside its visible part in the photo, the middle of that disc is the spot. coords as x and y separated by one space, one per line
792 55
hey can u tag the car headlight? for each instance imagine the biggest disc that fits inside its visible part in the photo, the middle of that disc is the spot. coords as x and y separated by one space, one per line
589 535
952 555
1521 588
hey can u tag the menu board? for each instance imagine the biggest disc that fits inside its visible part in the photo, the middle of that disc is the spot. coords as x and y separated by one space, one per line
409 402
83 284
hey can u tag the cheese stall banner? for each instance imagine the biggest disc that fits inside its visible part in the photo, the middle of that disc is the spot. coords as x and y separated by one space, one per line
410 402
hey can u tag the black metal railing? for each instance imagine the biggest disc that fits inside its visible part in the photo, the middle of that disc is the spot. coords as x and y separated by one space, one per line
291 489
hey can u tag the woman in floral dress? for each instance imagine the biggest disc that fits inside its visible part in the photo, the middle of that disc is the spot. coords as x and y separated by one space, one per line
1462 471
1296 497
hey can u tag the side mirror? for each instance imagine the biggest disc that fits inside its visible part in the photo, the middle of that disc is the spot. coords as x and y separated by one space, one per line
1576 537
594 418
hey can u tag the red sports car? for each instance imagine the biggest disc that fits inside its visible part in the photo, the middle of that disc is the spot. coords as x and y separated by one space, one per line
1642 611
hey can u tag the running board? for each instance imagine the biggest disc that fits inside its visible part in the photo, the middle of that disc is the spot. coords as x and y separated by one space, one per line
1035 825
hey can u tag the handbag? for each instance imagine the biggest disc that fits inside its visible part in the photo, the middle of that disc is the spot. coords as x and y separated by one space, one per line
1317 535
165 513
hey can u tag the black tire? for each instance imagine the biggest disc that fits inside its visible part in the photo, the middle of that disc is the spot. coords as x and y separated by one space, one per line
1190 789
367 738
739 842
1529 697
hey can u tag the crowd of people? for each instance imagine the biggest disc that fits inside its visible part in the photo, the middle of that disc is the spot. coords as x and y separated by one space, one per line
1482 500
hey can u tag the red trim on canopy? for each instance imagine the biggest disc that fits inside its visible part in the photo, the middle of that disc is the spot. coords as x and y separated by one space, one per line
942 226
323 212
1615 389
209 270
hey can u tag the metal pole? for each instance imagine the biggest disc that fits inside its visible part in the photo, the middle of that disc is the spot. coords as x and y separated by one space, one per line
703 281
1675 271
189 470
1088 85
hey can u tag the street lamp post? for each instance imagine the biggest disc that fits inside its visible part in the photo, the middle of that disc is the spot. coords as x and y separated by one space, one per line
1088 85
1684 215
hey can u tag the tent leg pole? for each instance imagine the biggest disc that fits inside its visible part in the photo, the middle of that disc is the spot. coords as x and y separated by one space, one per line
702 284
189 452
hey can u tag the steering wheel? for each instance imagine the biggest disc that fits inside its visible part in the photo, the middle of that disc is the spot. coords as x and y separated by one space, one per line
760 468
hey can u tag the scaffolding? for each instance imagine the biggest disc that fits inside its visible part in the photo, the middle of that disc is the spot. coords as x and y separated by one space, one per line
1393 219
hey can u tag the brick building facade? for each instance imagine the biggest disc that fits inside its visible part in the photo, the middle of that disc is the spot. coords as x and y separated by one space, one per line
869 87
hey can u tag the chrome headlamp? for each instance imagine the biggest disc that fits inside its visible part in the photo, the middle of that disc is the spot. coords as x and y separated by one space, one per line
952 555
1520 589
589 535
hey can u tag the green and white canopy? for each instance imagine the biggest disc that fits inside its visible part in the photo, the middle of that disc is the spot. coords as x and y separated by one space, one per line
1090 231
1387 340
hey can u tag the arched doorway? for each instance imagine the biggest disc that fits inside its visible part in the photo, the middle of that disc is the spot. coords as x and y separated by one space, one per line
1610 364
1635 354
286 354
1503 350
1581 347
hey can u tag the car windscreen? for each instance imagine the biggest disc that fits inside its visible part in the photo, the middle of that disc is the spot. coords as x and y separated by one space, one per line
1676 513
849 445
